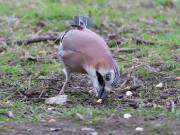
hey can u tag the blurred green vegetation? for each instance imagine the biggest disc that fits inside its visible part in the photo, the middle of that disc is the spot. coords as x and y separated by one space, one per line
156 20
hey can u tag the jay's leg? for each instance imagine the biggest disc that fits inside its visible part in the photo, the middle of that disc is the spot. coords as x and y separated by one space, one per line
95 85
93 77
67 77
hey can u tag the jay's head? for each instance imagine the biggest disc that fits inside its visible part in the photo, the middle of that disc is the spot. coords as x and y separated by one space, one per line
107 81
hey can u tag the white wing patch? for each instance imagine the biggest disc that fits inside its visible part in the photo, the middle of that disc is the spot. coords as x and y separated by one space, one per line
61 50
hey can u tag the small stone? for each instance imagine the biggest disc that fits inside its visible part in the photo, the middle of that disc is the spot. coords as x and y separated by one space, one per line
54 129
160 85
177 78
42 120
99 101
128 93
8 102
127 88
90 91
60 100
93 133
127 116
52 120
87 129
51 109
29 130
10 114
42 52
139 129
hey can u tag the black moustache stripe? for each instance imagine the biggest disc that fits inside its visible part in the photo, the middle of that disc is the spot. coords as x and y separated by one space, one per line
101 82
62 37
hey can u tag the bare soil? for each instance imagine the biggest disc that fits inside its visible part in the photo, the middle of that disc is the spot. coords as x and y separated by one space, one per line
144 92
114 126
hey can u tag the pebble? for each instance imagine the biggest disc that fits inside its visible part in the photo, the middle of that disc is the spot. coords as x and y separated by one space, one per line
51 120
87 129
54 129
42 52
127 116
99 101
93 133
51 109
29 130
128 93
10 114
160 85
139 129
90 91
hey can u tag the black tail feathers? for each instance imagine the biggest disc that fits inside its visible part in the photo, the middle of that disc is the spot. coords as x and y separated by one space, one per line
81 22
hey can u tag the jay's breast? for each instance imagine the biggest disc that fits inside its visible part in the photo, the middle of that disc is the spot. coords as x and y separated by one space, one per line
73 65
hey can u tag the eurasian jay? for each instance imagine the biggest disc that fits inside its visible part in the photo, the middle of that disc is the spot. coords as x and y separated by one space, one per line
83 51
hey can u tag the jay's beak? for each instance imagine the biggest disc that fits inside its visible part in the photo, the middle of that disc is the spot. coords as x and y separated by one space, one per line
102 94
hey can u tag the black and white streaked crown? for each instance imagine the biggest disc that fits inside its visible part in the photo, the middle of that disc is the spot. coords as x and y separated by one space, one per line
81 22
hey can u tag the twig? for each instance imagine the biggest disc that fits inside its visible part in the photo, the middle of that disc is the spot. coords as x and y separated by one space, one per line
139 41
39 59
29 84
55 38
128 78
36 98
132 88
135 67
172 105
124 83
54 88
41 93
127 50
35 40
55 79
119 57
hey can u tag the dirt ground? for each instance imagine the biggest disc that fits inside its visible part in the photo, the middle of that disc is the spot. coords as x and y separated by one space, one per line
78 93
79 85
114 126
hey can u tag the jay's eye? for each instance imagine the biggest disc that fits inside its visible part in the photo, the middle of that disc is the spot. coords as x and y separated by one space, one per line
107 77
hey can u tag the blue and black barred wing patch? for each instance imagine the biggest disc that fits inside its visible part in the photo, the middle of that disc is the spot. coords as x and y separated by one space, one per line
116 76
81 21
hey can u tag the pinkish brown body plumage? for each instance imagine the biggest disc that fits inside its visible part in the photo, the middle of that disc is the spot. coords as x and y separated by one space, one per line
84 51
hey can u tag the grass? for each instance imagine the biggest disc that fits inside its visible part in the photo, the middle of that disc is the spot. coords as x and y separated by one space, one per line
22 112
160 129
158 112
89 115
154 21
